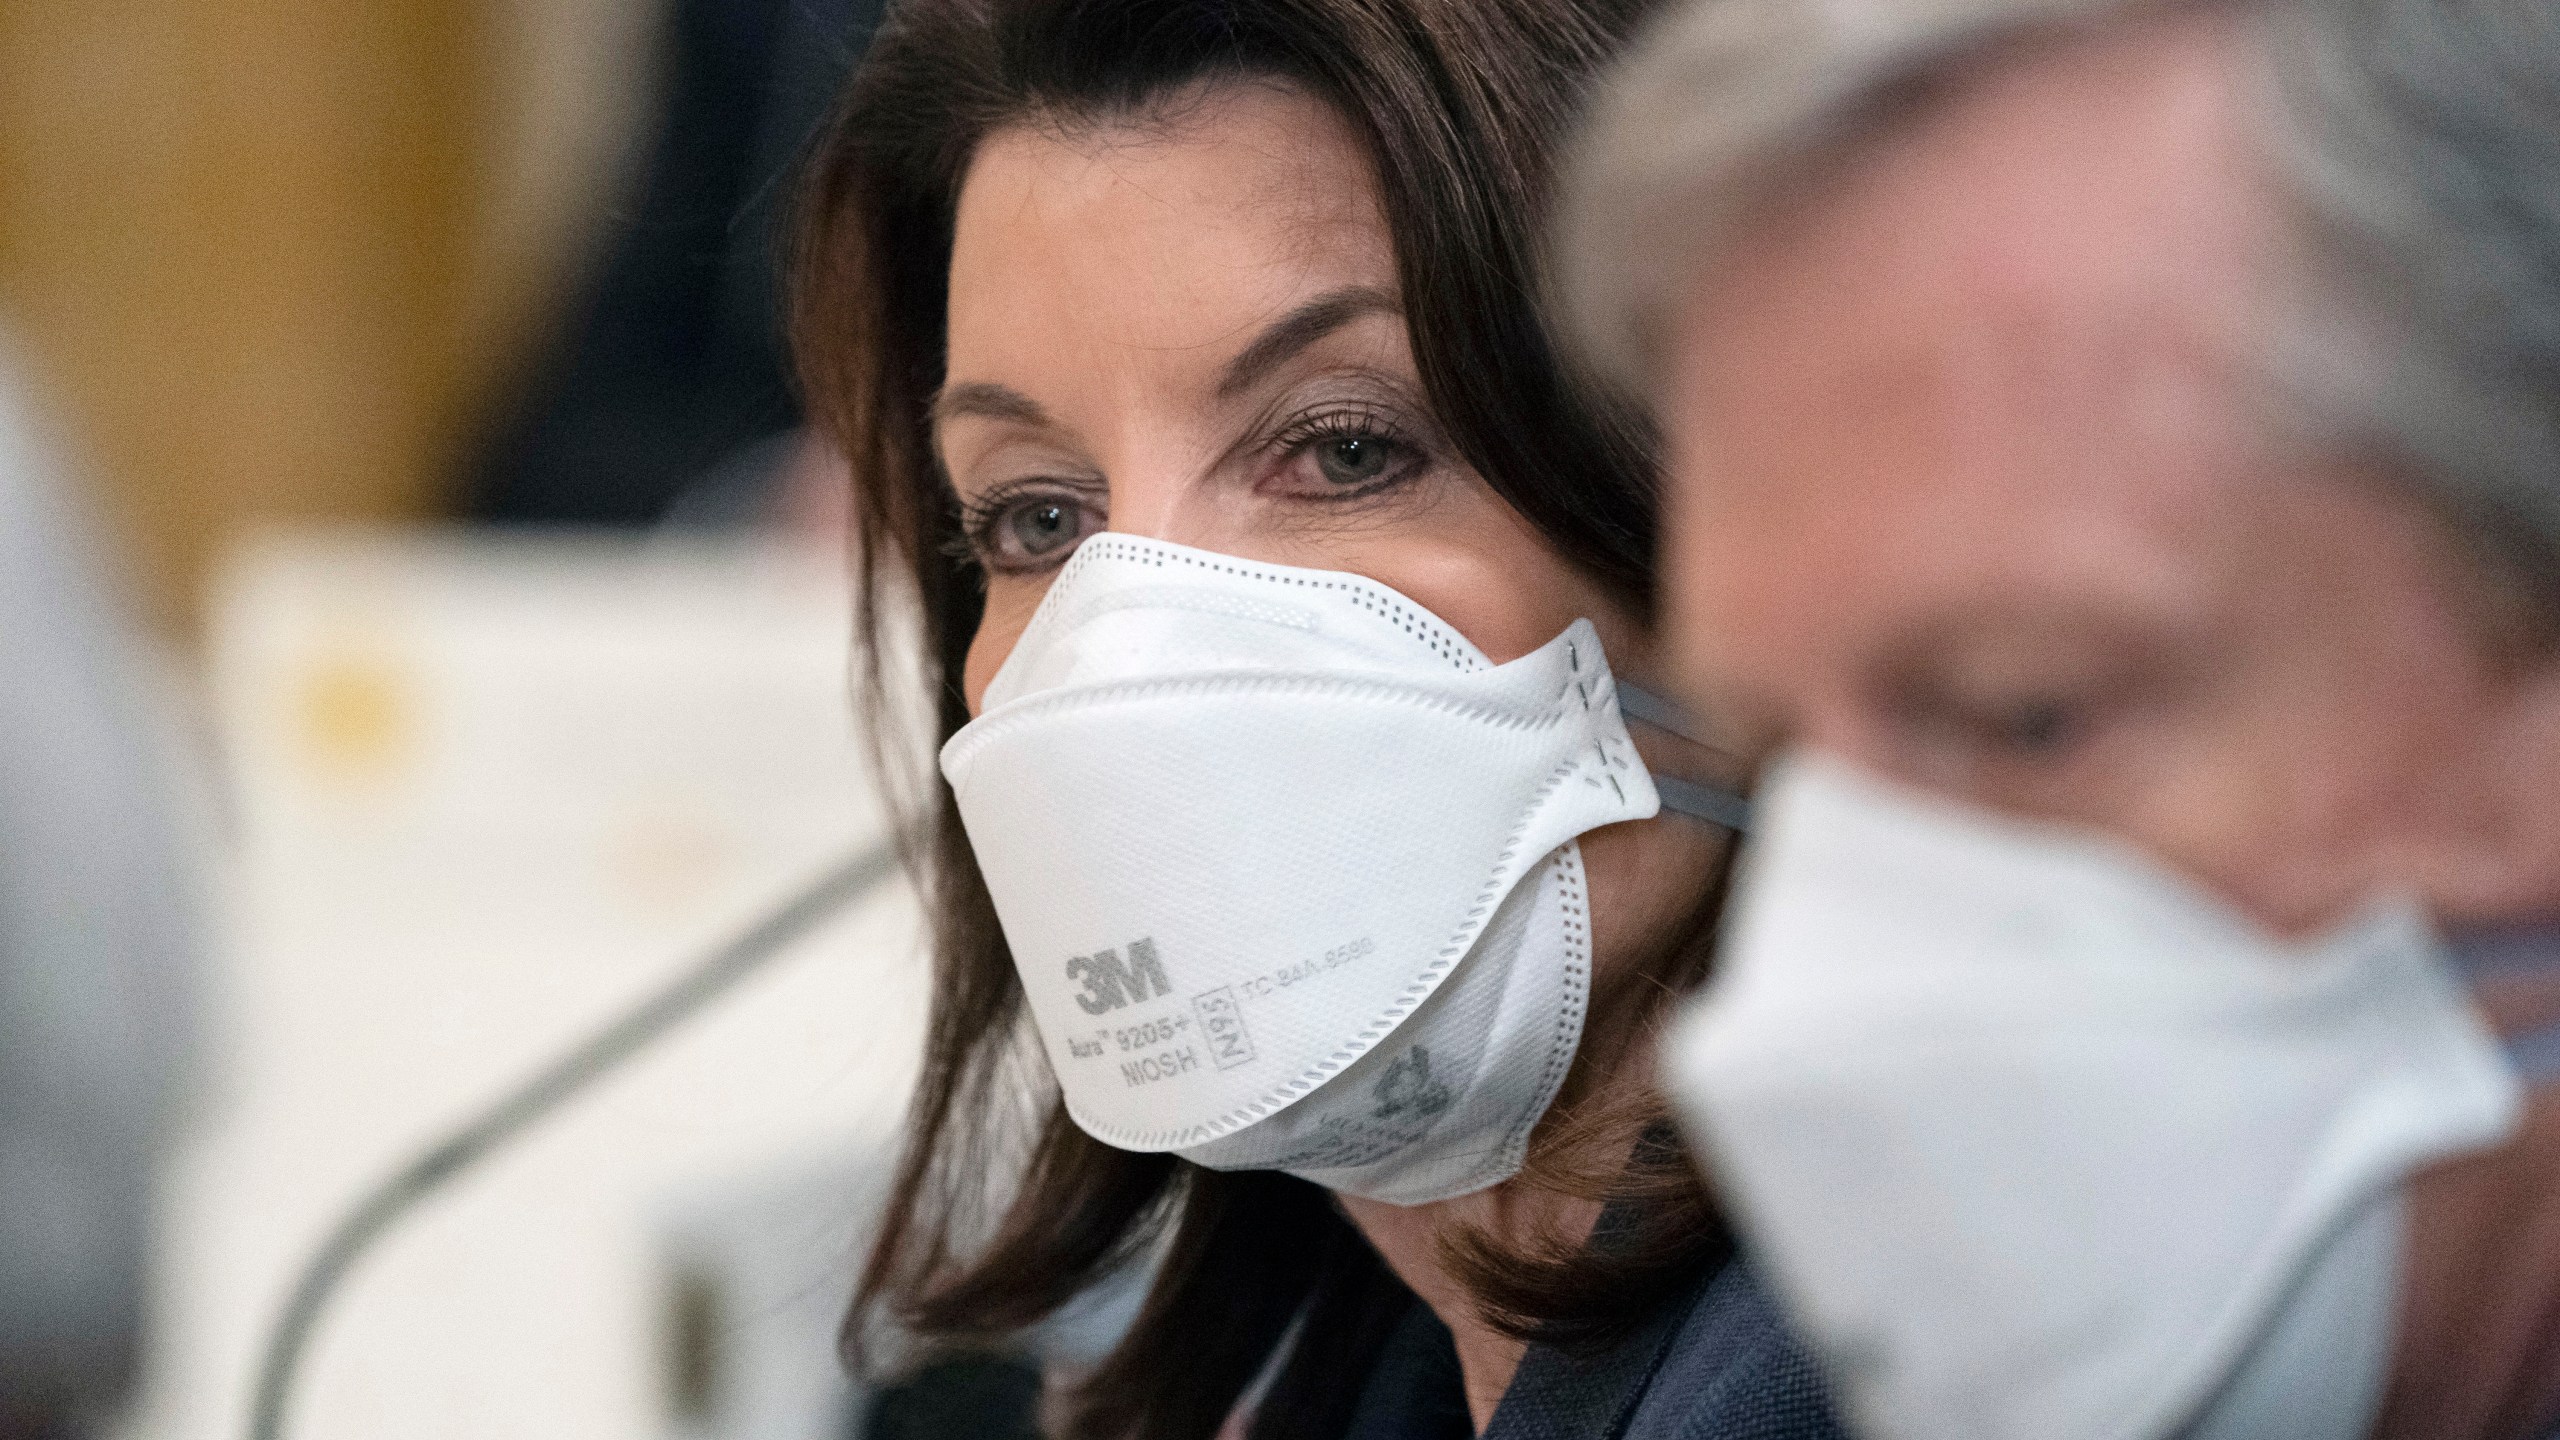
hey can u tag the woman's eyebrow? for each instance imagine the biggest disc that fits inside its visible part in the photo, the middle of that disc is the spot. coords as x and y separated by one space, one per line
987 402
1299 329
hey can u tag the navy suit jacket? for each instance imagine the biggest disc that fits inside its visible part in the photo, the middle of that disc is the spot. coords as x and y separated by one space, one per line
1717 1364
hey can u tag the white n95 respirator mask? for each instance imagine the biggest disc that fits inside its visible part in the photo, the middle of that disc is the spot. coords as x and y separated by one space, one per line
2041 1142
1288 866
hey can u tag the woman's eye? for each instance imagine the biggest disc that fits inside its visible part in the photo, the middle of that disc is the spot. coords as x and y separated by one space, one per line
1339 456
1026 532
1038 527
1354 460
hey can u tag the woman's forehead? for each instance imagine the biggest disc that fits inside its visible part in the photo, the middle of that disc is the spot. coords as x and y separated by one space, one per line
1179 231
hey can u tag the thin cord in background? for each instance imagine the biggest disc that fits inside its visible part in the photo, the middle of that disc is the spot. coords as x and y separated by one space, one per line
519 1108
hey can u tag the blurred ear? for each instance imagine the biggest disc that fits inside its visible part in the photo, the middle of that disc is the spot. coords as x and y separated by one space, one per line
2497 857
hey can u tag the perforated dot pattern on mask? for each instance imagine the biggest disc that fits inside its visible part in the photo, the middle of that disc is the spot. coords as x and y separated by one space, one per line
1369 596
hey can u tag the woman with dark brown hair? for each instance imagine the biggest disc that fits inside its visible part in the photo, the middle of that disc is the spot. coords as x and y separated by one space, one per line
1302 919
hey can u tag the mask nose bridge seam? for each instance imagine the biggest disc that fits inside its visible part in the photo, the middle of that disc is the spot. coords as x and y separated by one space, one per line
1198 602
1367 594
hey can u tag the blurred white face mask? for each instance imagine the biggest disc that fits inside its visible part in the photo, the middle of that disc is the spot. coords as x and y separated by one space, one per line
1288 866
2041 1142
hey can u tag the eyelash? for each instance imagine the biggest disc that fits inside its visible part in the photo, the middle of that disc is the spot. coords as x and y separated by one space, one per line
1352 422
979 517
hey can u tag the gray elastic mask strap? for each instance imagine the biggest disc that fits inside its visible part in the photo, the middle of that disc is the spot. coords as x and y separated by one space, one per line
2527 951
1710 803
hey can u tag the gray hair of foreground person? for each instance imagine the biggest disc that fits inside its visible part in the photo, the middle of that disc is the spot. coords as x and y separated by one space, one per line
2414 145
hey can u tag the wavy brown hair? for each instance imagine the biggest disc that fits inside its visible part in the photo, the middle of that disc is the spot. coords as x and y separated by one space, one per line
1002 1210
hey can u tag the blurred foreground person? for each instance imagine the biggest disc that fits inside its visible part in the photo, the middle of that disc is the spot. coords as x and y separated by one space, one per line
95 993
2115 460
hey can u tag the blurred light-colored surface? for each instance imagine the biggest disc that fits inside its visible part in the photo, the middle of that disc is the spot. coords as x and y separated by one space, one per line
757 1281
270 256
99 942
485 794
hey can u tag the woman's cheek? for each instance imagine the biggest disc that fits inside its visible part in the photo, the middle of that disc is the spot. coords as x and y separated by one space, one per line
1011 602
1507 603
1647 878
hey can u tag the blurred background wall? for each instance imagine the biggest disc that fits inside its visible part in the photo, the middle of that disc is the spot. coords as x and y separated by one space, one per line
318 297
278 260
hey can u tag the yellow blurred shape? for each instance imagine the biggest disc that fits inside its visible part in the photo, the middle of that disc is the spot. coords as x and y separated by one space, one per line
274 260
356 717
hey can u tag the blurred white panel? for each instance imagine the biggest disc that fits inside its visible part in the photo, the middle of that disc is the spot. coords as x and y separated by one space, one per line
488 793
